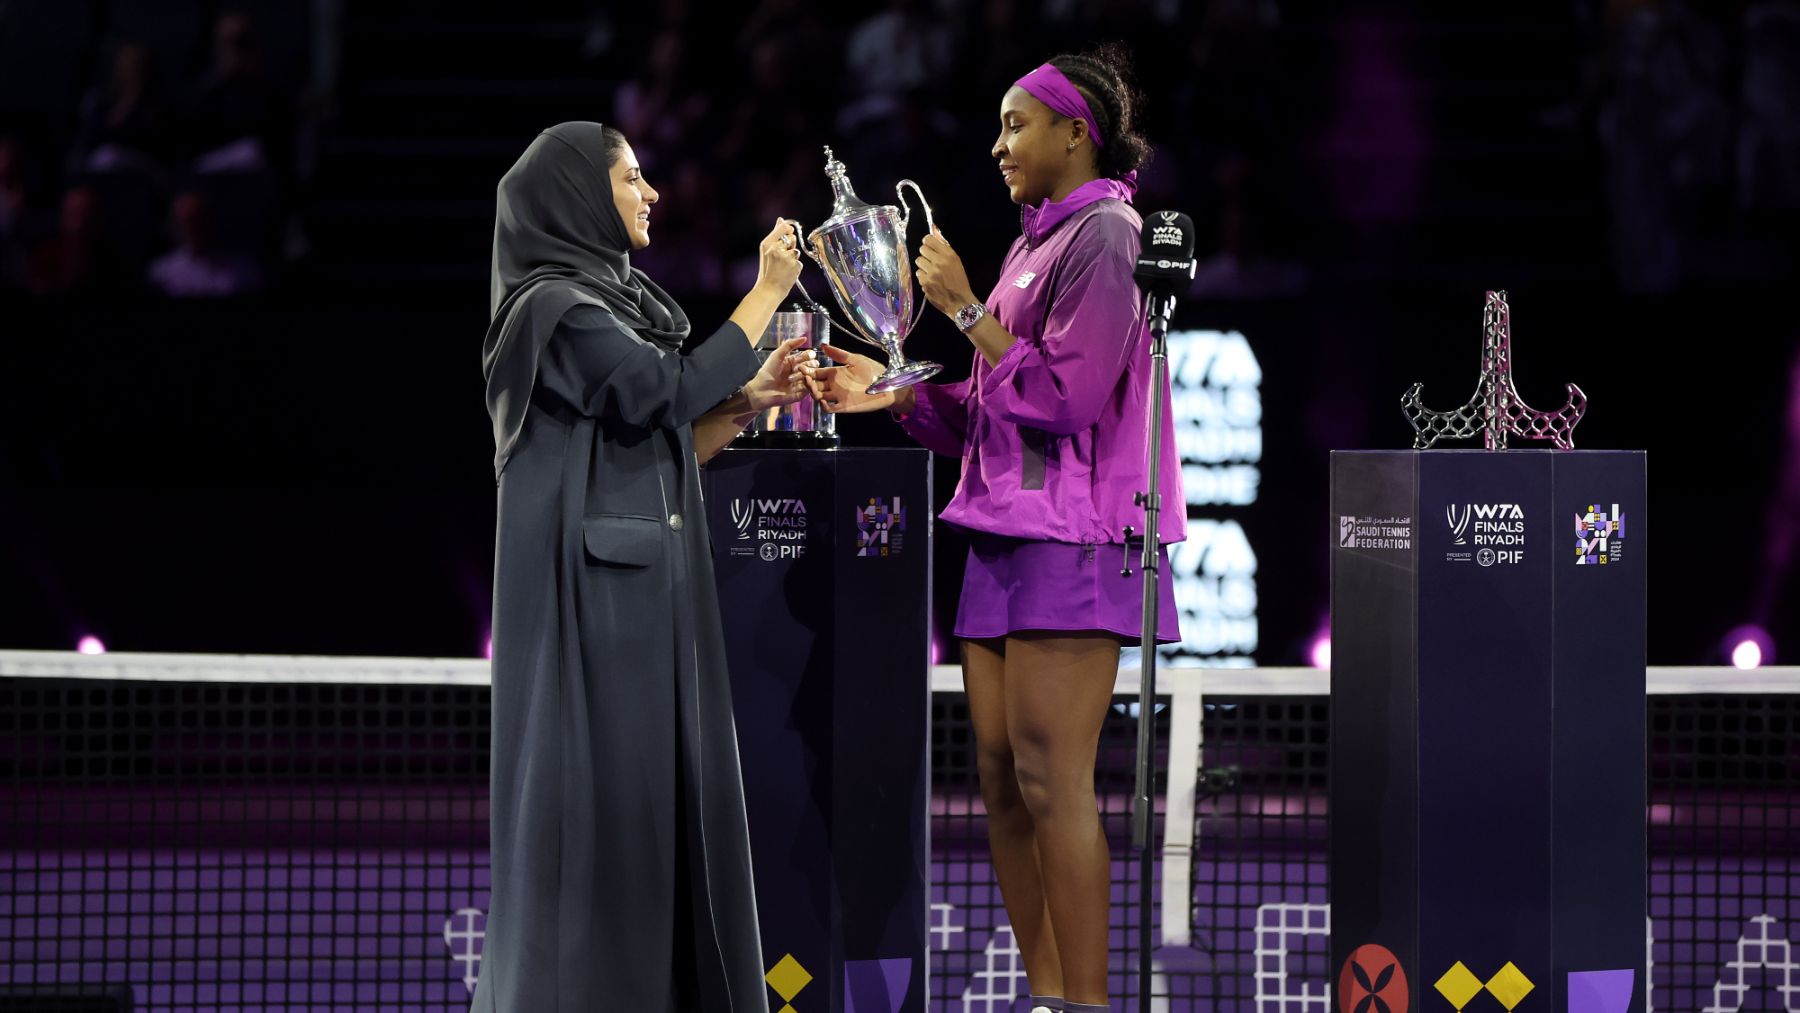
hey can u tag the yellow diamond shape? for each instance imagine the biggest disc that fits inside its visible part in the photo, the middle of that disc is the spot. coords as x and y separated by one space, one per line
1510 985
788 1009
1459 985
787 977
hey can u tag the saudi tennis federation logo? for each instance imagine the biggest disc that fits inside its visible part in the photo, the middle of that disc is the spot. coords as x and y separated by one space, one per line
881 527
1599 535
1372 982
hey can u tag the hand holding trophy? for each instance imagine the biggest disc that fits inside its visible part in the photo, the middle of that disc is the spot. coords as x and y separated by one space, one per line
843 385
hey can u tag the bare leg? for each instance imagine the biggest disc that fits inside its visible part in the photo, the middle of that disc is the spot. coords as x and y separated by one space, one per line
1058 688
1010 835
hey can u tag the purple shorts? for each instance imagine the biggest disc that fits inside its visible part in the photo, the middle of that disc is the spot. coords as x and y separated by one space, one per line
1012 585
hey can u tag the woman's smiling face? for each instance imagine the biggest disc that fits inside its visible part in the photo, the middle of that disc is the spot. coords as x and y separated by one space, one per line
1033 148
633 196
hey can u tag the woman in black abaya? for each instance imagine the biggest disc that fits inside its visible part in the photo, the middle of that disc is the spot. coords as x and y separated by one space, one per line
621 859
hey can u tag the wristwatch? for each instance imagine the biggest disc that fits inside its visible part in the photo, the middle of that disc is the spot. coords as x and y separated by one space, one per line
970 315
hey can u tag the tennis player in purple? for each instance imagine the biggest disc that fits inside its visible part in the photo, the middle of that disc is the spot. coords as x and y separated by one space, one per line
1052 429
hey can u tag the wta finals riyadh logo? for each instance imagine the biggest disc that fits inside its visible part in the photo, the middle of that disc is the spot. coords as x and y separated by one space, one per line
741 515
775 529
1598 536
1168 233
1458 518
880 527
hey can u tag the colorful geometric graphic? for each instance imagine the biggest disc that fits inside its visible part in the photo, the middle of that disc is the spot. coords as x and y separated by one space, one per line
887 979
1510 986
464 933
880 528
787 978
1372 981
1601 991
1459 985
1598 535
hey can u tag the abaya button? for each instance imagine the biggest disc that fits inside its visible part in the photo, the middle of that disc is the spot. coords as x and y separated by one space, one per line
675 522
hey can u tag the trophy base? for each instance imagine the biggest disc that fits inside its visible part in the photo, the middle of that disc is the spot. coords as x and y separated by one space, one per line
904 376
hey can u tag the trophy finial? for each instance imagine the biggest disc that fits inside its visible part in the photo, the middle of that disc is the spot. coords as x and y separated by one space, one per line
843 195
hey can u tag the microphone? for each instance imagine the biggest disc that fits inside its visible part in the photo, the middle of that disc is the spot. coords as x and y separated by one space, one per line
1165 256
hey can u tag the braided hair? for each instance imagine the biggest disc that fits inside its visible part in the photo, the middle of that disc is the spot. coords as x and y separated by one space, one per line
1103 77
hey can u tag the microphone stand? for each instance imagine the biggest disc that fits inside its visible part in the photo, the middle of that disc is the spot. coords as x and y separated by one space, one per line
1161 306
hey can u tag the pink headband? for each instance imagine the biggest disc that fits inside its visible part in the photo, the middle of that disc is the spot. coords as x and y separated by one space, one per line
1049 86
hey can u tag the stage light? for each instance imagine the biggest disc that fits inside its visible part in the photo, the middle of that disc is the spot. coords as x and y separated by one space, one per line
90 645
1749 647
1320 653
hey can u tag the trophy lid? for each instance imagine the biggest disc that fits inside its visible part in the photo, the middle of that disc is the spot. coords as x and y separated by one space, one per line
846 206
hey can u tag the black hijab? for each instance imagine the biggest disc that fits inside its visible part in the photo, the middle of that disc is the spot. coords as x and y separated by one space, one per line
559 242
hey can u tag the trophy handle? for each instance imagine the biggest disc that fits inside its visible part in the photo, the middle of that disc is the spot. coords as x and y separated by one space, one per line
906 209
906 220
805 246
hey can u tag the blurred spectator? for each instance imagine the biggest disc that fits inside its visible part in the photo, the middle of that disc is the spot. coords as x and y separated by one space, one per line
75 260
660 110
1664 125
124 123
1782 539
999 44
687 243
795 26
1378 142
1243 267
777 111
1235 95
903 48
1768 152
13 214
199 266
792 187
239 120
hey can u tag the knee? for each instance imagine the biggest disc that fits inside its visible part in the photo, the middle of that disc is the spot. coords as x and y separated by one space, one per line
1035 774
1050 784
999 782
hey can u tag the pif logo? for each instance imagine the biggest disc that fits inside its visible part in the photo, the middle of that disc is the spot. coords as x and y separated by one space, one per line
1372 982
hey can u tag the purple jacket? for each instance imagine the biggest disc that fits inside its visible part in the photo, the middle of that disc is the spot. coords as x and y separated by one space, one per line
1054 437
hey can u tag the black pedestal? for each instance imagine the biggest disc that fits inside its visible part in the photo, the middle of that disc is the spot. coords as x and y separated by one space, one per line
1487 730
824 568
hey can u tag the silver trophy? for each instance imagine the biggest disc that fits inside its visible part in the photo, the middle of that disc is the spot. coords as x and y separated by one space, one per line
862 250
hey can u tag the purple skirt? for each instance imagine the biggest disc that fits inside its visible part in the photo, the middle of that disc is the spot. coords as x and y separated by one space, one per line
1012 585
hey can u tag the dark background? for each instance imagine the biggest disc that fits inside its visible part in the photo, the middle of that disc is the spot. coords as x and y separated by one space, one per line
304 464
